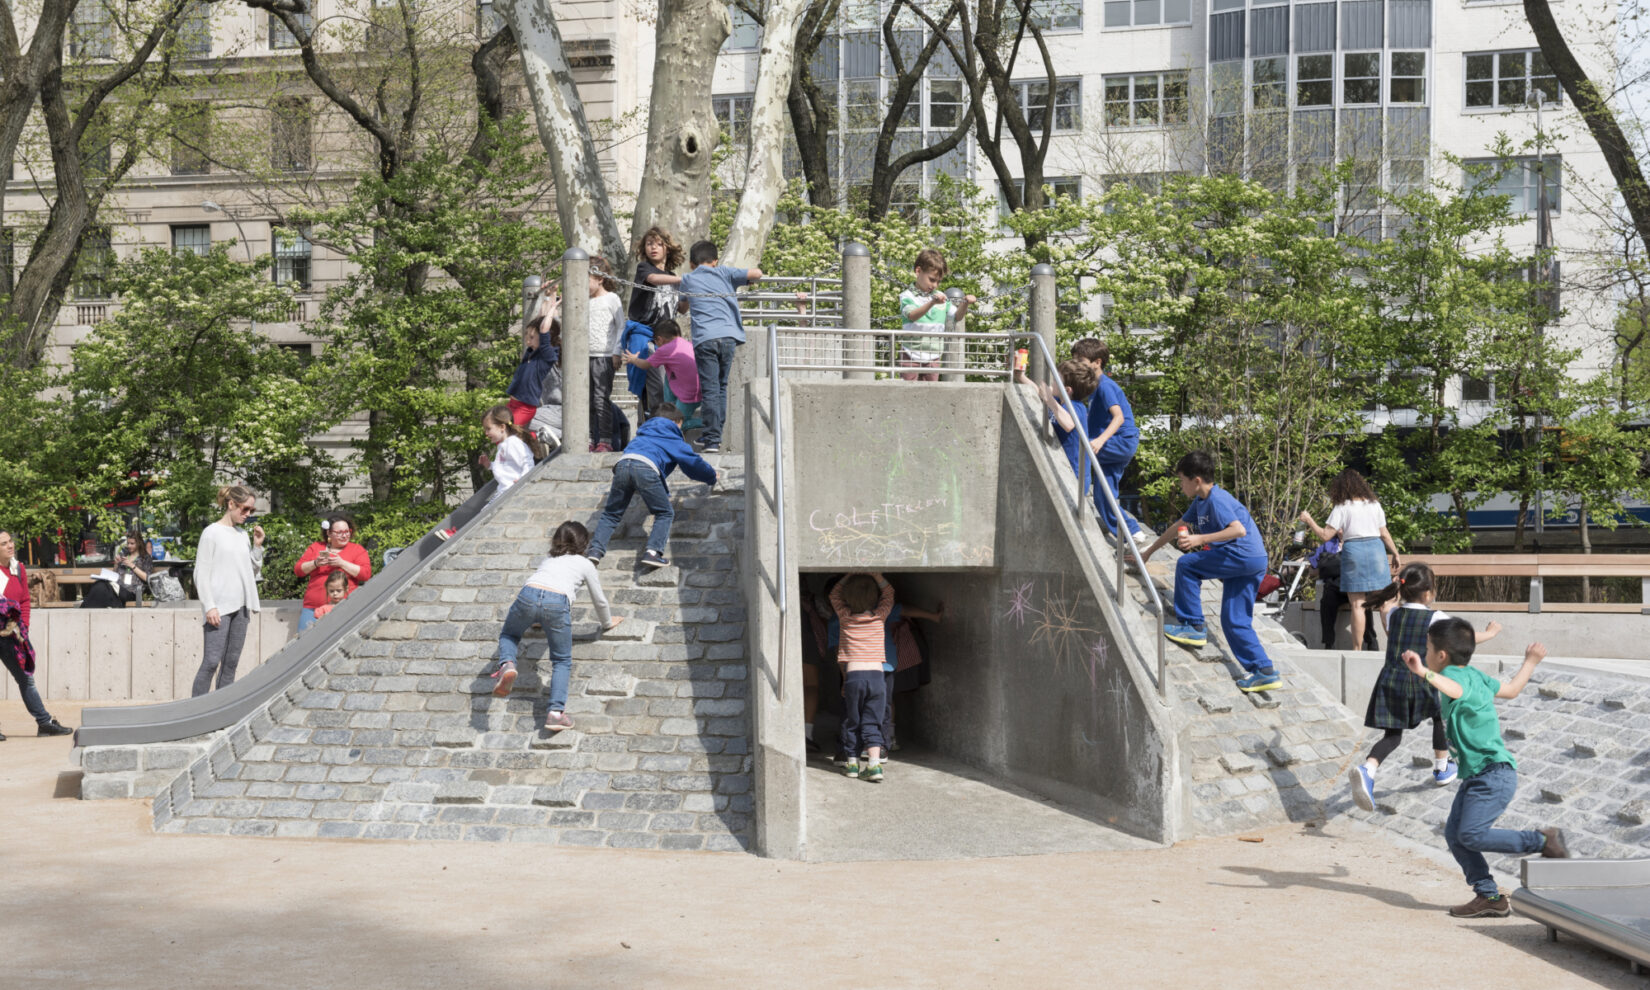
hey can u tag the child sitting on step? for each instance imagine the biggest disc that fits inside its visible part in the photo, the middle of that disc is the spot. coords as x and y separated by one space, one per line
1488 774
1399 701
862 603
547 600
659 448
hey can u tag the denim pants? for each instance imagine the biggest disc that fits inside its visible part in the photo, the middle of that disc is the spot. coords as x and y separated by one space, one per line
1239 574
864 698
25 682
306 618
222 650
1114 460
554 615
601 398
1471 832
715 359
631 478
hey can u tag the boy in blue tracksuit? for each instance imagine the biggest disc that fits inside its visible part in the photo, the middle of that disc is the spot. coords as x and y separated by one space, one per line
1233 553
1112 430
657 449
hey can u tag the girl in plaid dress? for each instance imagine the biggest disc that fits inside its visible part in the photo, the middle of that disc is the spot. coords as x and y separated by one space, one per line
1401 701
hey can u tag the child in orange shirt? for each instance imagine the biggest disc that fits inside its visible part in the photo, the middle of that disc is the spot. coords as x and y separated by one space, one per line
337 591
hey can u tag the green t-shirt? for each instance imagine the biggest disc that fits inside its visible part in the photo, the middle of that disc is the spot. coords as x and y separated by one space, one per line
1470 722
930 321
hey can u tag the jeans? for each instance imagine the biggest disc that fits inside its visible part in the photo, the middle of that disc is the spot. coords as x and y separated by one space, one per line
554 615
1240 575
25 682
222 652
715 358
863 700
1114 460
1470 831
601 398
631 478
306 618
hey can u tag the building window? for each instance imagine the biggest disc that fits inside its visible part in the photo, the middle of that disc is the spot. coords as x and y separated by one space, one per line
1409 78
1314 80
1521 181
733 113
1146 100
97 260
195 30
1050 15
945 102
1270 83
290 147
746 34
1142 13
280 39
1509 80
292 254
195 238
384 25
1068 103
1054 186
1361 77
91 33
191 130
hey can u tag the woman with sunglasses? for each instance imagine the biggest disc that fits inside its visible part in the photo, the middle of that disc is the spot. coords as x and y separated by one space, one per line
228 567
324 557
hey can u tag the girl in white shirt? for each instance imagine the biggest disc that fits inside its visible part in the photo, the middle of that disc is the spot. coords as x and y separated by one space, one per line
228 567
548 601
517 448
1358 519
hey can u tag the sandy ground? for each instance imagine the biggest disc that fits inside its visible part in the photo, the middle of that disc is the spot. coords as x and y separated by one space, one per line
92 898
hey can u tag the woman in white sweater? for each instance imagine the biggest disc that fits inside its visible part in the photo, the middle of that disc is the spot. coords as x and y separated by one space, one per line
228 567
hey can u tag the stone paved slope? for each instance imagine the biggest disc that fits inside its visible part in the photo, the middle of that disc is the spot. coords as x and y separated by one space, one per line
396 734
1582 742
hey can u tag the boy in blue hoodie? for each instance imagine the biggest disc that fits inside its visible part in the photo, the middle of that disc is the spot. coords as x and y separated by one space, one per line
646 384
658 449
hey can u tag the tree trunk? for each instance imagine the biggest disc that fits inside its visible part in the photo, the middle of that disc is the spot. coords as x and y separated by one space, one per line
885 169
682 130
21 74
582 205
65 222
766 179
811 139
1583 523
1595 111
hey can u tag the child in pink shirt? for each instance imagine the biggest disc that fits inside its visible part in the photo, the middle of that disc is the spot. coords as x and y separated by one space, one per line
862 603
675 355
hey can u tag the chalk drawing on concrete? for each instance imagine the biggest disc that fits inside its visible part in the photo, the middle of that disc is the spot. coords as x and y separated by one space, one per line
904 531
1058 630
1019 605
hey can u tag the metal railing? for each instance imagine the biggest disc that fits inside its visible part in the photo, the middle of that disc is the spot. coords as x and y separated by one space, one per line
1125 545
803 348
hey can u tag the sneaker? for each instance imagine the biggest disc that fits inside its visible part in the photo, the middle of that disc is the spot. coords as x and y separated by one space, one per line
1553 848
52 727
1260 682
1143 538
655 559
601 448
851 768
711 448
1363 787
874 775
506 676
841 758
594 558
1483 907
1446 775
1185 634
893 745
557 721
446 533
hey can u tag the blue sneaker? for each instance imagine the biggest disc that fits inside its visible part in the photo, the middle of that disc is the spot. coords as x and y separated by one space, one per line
1446 775
1260 682
1363 787
1185 634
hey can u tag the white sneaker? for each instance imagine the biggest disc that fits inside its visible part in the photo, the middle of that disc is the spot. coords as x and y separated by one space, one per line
1143 538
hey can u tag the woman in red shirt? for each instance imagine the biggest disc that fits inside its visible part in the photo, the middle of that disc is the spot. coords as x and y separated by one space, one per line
337 553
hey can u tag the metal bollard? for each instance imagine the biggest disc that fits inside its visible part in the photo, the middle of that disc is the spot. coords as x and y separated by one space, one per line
530 287
858 350
955 359
575 350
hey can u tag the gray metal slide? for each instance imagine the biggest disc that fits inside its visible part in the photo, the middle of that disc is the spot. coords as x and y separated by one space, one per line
219 710
1602 901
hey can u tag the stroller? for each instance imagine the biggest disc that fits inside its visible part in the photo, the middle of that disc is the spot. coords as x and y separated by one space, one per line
1283 585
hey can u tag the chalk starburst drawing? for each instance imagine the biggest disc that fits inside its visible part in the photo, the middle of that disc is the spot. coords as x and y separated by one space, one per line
1061 630
1099 650
1019 604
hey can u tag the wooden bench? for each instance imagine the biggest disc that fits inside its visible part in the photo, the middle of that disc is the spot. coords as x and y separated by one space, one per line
1538 567
75 577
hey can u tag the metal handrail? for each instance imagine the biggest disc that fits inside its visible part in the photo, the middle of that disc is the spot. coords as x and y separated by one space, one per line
782 585
1125 545
998 367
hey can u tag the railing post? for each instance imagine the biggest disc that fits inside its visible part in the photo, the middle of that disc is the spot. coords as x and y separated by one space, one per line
955 352
575 350
858 350
1042 324
530 287
1535 595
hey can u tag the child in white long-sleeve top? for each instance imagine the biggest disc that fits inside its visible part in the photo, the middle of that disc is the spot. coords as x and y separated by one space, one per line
862 603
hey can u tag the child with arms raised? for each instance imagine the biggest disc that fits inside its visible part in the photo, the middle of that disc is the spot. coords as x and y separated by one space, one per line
862 603
1489 777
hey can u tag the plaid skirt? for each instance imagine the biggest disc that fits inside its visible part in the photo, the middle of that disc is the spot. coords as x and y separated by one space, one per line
1400 700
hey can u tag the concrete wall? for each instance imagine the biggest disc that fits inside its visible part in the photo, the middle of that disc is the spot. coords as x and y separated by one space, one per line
1577 634
136 654
1029 679
1350 674
894 476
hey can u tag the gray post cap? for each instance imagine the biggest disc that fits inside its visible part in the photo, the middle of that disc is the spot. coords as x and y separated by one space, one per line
854 249
531 285
575 254
1042 269
953 293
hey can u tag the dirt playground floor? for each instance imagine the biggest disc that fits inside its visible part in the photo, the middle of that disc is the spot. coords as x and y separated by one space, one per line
92 898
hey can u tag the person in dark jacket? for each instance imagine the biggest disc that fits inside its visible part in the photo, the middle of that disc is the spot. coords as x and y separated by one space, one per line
658 449
538 356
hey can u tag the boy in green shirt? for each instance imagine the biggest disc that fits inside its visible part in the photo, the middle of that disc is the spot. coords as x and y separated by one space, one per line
1488 774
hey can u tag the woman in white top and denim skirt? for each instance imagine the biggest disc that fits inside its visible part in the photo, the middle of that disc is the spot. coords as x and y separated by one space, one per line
1369 558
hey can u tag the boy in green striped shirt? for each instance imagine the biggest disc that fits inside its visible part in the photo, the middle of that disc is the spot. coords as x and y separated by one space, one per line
924 308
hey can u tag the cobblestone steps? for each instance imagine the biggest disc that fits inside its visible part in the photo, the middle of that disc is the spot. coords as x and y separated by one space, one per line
396 733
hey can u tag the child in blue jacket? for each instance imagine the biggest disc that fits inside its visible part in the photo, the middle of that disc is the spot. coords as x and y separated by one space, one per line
646 384
657 449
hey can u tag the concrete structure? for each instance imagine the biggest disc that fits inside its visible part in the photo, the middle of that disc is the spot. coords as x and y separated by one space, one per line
1619 635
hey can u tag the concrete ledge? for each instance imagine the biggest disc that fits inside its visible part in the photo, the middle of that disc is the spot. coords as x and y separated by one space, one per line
1350 675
